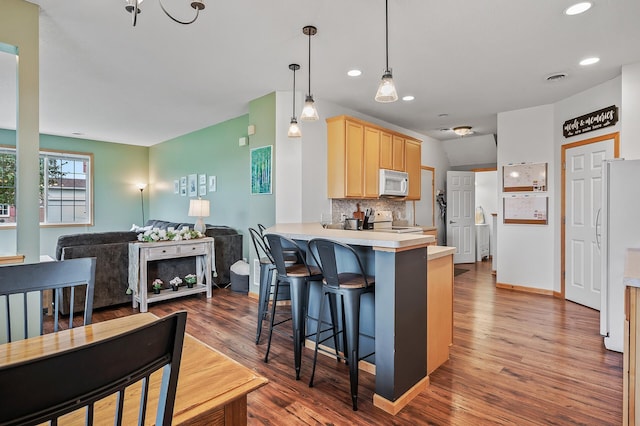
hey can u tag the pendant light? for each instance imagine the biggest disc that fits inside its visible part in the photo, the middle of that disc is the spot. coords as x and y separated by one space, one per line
309 111
133 7
387 90
294 129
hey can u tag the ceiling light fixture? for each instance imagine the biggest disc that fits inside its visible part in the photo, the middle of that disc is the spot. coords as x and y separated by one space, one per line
294 129
133 7
386 90
463 130
589 61
578 8
309 111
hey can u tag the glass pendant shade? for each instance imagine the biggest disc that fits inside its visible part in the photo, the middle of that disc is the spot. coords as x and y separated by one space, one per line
294 129
309 111
386 90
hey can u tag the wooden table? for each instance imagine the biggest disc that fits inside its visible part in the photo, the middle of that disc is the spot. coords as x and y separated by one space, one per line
212 388
141 253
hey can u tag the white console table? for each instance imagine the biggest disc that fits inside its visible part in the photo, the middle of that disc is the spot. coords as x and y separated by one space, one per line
141 252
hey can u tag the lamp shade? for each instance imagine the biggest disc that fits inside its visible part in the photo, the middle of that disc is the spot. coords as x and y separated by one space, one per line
199 208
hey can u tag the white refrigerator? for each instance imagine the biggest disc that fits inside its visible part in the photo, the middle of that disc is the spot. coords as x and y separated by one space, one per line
617 229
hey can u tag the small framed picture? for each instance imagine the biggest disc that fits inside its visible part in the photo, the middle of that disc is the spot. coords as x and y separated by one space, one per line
176 186
192 185
183 186
202 179
202 190
212 184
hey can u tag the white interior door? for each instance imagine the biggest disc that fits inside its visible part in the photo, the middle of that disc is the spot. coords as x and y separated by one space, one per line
424 206
461 228
583 192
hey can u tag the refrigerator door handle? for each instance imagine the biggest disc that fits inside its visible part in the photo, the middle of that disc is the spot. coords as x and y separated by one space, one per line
598 234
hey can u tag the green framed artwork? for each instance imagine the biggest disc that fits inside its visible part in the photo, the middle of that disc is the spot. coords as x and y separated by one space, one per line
261 161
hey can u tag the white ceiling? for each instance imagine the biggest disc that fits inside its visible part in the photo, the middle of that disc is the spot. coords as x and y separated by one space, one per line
469 59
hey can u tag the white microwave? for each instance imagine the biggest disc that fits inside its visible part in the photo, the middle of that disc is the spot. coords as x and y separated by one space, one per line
393 183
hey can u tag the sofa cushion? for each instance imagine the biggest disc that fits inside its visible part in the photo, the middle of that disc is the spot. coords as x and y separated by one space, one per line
93 238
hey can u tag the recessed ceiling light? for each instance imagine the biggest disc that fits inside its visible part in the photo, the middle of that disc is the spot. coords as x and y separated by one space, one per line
354 73
589 61
578 8
408 98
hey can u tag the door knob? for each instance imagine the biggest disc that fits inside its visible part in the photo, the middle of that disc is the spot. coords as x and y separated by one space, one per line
452 221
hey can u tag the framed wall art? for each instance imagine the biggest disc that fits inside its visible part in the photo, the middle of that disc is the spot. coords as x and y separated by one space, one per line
193 185
261 170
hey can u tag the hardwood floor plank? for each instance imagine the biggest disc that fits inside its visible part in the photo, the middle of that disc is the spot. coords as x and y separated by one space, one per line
517 359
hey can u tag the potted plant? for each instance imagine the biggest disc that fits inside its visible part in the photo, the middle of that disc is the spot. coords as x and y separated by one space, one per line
175 283
157 285
190 280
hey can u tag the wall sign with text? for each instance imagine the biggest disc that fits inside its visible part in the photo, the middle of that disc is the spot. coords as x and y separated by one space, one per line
596 120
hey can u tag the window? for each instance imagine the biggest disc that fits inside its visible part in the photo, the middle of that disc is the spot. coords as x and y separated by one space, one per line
65 188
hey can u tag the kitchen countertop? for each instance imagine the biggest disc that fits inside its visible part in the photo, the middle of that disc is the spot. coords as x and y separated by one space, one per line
307 231
435 252
632 268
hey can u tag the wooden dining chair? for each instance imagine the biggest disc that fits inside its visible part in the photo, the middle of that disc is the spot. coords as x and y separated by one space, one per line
43 389
24 289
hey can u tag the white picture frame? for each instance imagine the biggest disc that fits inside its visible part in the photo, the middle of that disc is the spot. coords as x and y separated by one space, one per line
176 186
192 185
202 190
212 184
202 179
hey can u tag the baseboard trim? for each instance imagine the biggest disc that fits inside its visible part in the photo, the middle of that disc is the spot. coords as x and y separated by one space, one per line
394 407
525 289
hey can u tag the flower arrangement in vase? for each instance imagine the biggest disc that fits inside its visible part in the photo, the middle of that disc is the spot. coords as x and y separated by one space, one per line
175 283
157 285
169 234
190 279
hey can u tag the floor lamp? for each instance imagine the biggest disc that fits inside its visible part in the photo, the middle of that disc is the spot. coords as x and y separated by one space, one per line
141 187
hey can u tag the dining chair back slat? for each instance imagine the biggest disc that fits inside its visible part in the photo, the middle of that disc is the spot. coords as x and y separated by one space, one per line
22 292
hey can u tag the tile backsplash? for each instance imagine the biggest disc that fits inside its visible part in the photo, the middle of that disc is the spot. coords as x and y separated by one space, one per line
348 206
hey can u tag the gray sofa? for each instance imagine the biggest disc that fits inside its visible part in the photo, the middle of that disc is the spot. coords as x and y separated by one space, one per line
111 250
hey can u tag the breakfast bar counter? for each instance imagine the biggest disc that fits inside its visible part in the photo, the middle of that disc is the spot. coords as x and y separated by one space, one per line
399 262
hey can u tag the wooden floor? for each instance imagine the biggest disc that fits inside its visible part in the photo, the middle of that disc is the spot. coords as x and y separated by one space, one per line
517 359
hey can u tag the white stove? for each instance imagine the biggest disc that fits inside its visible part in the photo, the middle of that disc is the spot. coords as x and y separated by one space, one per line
383 222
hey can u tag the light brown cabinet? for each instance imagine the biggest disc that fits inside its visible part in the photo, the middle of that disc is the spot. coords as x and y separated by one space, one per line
413 154
357 150
631 358
398 153
439 308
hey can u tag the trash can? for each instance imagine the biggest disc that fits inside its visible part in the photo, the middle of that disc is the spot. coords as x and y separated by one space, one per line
240 277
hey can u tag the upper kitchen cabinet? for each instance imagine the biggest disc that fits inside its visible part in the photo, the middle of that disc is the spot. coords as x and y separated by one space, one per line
345 158
357 150
413 155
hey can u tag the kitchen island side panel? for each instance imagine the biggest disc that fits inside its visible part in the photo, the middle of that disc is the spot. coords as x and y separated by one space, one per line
401 288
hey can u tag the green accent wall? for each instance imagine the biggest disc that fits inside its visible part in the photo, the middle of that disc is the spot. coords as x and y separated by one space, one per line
117 168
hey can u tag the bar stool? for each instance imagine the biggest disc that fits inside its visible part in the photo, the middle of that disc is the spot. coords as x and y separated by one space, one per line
349 285
297 276
267 266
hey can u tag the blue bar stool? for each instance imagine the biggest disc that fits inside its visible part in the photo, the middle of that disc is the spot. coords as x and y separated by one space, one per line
297 276
349 284
267 266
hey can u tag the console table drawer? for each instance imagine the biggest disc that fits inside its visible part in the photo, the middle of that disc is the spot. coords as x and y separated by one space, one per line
193 249
160 252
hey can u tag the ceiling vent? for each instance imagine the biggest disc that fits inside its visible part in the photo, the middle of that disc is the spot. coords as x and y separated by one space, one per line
557 77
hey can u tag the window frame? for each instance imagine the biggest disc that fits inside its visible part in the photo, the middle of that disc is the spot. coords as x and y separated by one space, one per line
43 154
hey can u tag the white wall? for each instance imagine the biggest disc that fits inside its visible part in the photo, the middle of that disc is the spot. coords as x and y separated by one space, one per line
525 256
529 255
630 114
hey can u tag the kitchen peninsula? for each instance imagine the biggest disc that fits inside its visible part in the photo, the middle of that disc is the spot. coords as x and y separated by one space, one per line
399 263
